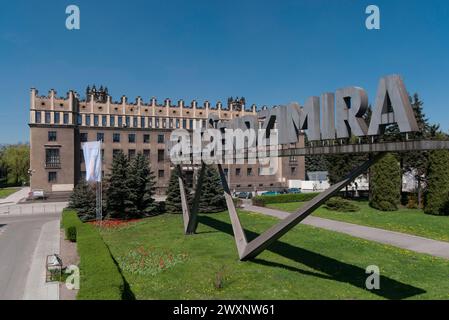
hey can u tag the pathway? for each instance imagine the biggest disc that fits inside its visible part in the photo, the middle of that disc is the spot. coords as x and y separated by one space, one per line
397 239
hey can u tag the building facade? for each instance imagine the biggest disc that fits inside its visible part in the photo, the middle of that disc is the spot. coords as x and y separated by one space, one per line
58 127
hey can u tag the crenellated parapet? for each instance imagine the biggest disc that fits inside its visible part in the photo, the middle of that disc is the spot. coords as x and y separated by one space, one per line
99 103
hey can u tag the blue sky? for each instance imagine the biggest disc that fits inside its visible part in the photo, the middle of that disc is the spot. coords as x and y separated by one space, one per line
271 52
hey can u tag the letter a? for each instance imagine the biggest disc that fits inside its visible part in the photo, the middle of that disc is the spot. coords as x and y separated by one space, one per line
373 20
73 20
372 281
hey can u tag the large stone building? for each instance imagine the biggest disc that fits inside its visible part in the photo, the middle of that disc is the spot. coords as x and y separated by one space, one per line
58 126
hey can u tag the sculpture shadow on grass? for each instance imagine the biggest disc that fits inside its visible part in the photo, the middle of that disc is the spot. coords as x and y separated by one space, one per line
334 269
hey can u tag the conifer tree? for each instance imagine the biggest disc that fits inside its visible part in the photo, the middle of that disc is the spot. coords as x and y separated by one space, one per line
141 186
118 200
385 184
173 200
212 197
437 195
83 199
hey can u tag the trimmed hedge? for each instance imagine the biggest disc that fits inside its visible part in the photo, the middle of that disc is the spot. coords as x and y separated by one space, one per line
341 205
100 277
262 201
70 219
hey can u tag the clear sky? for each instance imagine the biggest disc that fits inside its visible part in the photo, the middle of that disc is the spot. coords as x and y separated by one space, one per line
271 52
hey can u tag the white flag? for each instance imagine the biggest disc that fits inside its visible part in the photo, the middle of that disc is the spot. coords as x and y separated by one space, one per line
92 159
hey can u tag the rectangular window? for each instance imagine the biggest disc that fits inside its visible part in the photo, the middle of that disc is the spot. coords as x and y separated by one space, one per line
100 136
47 117
112 121
116 137
131 153
177 123
87 120
52 176
38 117
293 170
157 122
184 124
65 118
160 155
142 122
249 171
160 173
132 138
115 152
160 138
96 120
79 119
51 135
120 121
135 122
237 172
150 122
146 138
203 123
127 121
146 153
170 123
52 159
191 124
83 136
57 118
104 121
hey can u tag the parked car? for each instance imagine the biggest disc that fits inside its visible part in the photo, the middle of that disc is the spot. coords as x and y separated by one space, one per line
244 195
294 190
270 193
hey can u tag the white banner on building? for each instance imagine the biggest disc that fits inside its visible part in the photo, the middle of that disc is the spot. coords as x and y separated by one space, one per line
92 159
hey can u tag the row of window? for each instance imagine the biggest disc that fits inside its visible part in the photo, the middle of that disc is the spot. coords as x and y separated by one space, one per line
53 175
131 154
116 137
119 121
56 120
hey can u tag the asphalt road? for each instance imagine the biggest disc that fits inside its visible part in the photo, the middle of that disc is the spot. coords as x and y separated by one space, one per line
18 239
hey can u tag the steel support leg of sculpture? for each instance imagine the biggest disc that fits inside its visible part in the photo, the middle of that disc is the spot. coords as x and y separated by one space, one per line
190 217
252 249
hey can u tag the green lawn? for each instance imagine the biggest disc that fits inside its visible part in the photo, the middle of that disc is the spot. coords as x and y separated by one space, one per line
412 221
4 192
159 262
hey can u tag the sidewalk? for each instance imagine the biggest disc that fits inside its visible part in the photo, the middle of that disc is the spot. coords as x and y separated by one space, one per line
16 196
405 241
36 288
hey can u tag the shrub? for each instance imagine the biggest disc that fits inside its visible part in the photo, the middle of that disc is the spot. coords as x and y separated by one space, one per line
70 220
437 195
341 205
385 184
70 233
262 201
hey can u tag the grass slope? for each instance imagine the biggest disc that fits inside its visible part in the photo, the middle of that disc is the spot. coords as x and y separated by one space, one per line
4 192
411 221
308 263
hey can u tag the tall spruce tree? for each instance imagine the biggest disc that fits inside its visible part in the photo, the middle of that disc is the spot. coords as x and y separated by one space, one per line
173 200
384 184
118 201
212 197
437 195
83 199
141 187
